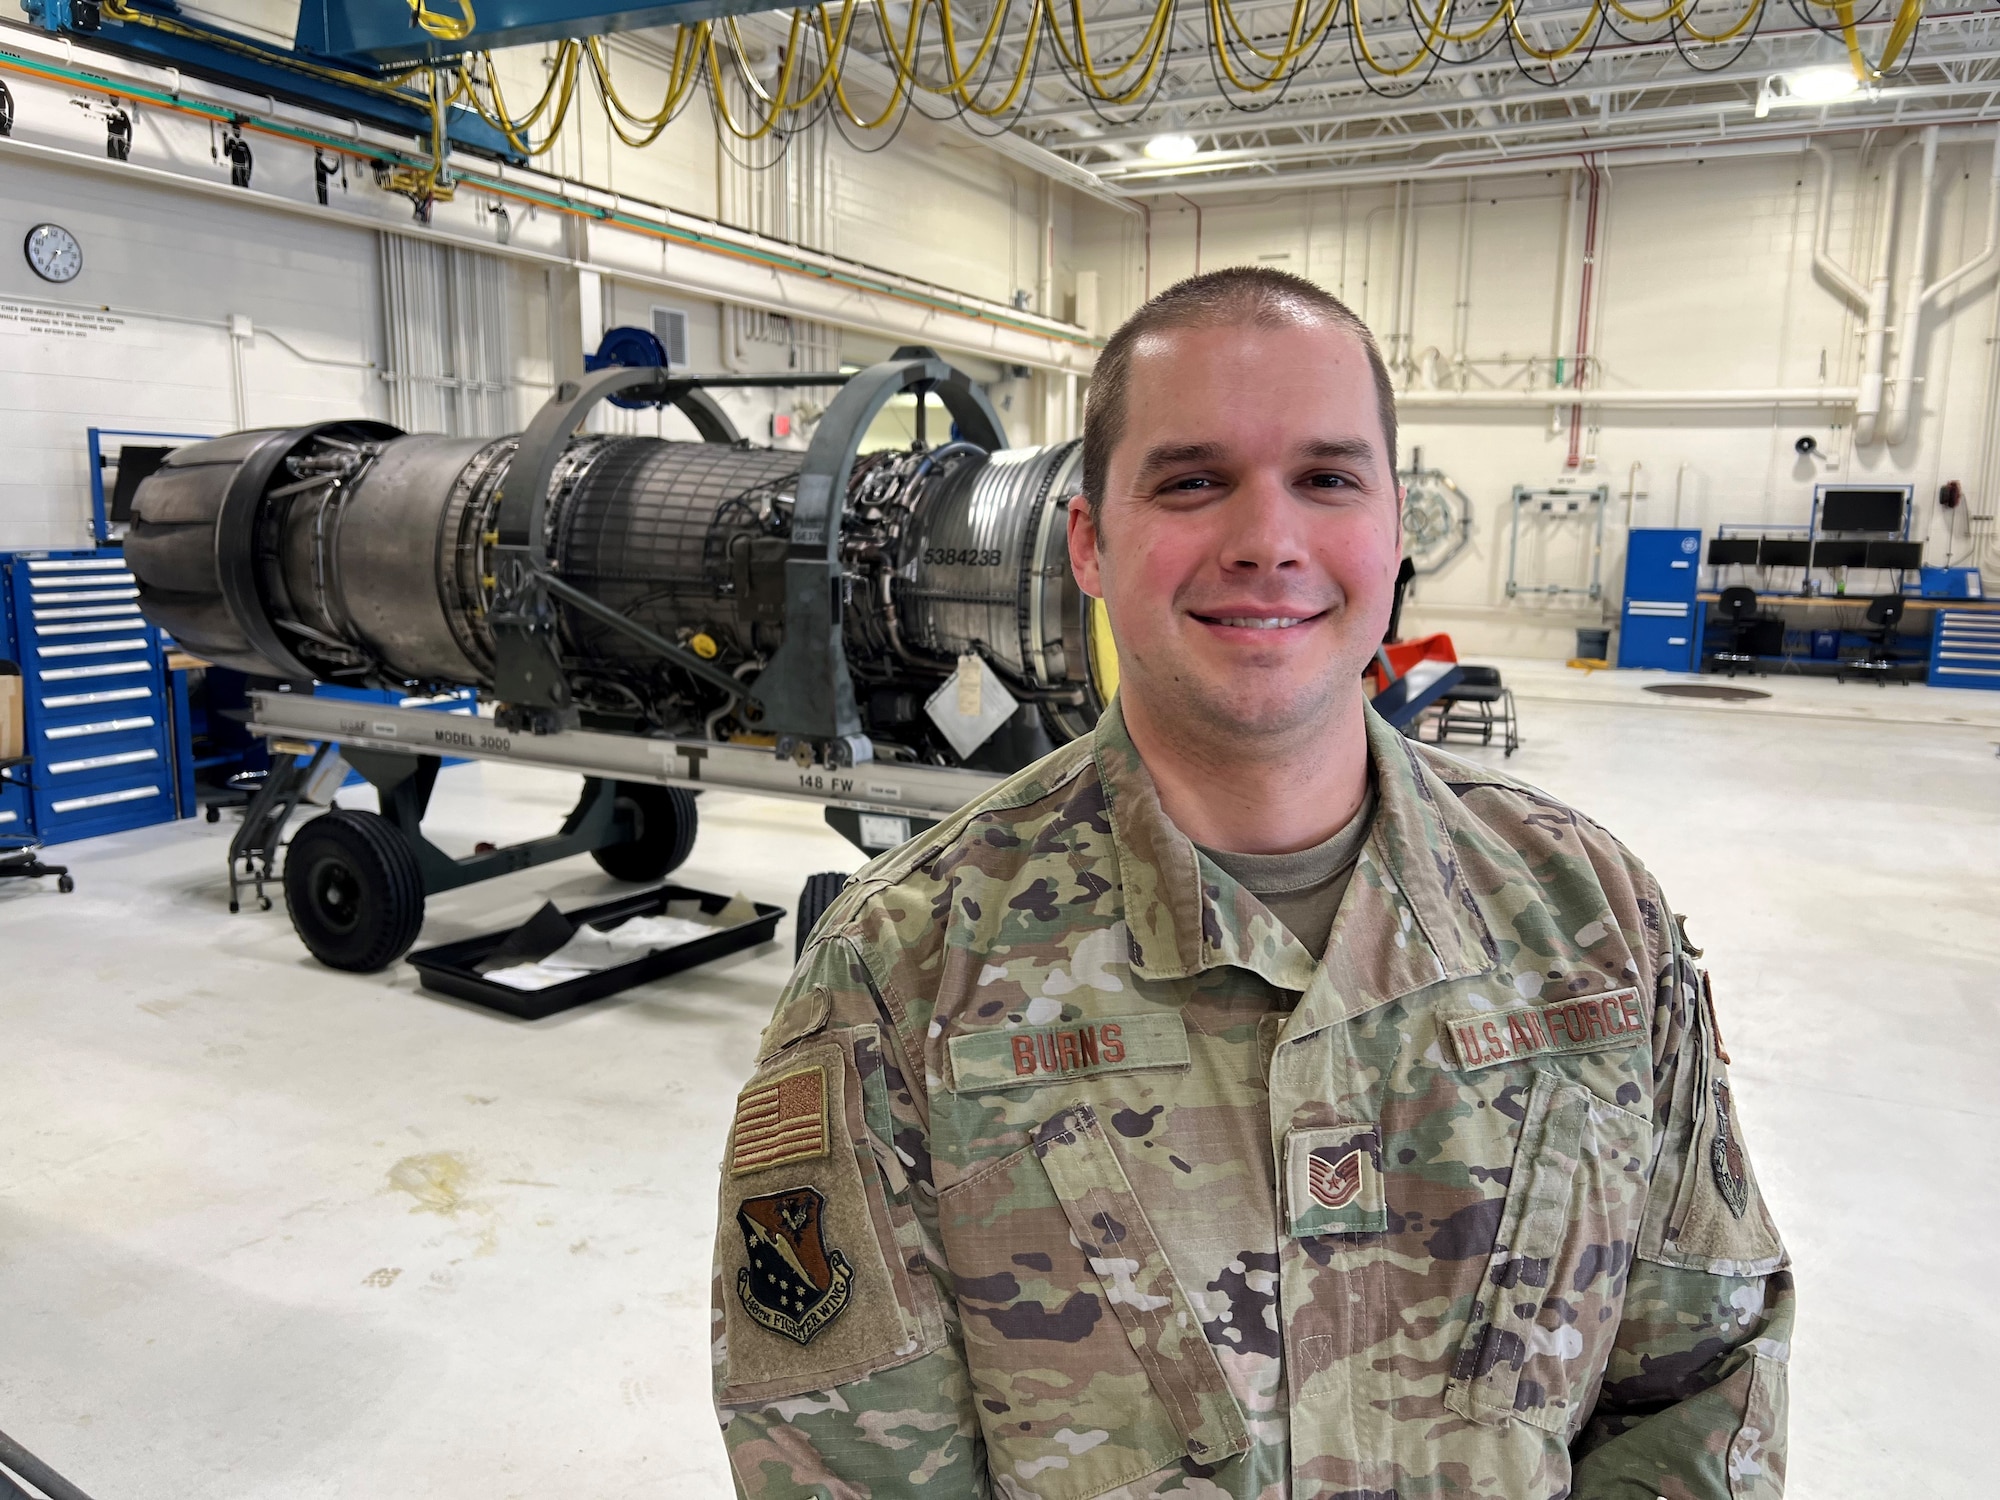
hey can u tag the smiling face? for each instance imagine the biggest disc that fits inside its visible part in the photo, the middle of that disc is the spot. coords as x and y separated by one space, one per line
1249 535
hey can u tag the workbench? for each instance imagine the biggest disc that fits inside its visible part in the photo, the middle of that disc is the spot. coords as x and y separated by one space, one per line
1960 649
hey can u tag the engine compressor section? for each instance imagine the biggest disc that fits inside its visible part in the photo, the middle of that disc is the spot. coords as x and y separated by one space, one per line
913 606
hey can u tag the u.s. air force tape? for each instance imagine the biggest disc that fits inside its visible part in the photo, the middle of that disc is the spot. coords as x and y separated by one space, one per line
1584 1023
1021 1056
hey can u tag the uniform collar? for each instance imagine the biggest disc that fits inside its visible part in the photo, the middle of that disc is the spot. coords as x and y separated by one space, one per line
1409 918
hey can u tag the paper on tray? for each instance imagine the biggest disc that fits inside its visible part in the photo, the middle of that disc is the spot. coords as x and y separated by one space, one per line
591 950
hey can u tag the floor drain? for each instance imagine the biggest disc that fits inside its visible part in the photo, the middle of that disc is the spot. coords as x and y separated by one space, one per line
1706 690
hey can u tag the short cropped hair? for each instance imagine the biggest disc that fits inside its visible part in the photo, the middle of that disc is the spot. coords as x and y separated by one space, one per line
1252 296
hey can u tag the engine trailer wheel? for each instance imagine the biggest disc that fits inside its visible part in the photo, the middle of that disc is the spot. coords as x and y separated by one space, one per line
664 821
354 890
820 892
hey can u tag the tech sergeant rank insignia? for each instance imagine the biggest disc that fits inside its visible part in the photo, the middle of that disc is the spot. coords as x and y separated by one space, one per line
794 1285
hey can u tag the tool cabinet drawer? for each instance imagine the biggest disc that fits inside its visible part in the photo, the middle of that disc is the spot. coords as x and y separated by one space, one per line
102 805
13 811
1965 649
1658 634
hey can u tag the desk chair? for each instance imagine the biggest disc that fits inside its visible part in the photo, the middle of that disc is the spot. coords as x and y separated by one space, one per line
1885 612
20 863
1477 706
18 852
1751 633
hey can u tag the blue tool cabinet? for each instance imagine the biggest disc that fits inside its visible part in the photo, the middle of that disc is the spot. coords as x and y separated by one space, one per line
1660 625
99 726
14 814
1965 649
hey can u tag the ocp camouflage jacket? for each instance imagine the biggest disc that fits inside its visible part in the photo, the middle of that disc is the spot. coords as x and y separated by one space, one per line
1066 1171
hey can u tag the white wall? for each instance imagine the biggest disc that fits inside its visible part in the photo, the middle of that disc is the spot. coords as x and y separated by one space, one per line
171 274
1706 280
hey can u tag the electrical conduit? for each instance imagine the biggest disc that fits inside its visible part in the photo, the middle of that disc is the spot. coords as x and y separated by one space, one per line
1461 321
1584 280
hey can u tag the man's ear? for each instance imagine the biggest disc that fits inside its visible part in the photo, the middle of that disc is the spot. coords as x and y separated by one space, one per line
1084 543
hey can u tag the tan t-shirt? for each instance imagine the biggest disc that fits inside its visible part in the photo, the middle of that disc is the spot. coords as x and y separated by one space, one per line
1302 890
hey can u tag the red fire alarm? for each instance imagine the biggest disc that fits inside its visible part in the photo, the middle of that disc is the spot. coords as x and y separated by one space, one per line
781 425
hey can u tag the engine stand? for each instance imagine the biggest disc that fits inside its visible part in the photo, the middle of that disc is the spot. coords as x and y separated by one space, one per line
404 783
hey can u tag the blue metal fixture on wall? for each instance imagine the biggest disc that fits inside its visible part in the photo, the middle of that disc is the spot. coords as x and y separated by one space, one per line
1660 625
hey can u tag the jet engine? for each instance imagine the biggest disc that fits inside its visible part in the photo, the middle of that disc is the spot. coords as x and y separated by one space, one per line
844 606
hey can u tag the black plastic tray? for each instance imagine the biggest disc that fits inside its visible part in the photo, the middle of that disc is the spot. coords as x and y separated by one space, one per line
452 968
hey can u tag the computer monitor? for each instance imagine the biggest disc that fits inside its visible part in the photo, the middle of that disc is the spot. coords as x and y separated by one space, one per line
1724 550
1782 552
1840 554
1851 508
135 463
1895 555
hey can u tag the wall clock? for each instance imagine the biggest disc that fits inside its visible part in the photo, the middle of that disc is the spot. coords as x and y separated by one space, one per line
53 253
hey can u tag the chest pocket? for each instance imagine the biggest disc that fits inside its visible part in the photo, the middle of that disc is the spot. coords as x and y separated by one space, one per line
1089 1367
1542 1323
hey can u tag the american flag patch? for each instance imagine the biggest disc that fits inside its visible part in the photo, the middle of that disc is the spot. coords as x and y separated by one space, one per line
780 1121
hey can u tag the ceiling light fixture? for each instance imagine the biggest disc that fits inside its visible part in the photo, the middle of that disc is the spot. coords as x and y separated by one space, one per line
1172 145
1829 84
1824 85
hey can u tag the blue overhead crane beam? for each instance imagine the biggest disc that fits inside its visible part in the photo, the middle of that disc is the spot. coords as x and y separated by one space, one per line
385 31
363 39
339 87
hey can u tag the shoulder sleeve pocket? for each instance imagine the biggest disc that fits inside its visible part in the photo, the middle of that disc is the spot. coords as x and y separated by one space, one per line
1706 1212
1548 1309
814 1292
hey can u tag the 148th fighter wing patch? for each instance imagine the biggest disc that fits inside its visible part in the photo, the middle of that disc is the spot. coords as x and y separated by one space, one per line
794 1285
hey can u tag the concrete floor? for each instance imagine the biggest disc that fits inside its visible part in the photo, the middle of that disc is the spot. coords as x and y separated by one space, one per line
267 1230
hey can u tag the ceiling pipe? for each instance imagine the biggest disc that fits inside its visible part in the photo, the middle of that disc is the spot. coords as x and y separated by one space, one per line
1367 109
1600 396
1844 283
1985 260
1462 309
1873 309
1917 296
1197 229
1147 210
1403 335
1910 314
1535 164
1580 372
1874 301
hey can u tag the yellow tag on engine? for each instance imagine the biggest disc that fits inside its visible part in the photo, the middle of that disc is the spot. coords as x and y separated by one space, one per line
969 678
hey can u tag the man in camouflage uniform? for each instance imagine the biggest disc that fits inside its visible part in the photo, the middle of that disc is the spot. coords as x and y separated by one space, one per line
1082 1158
